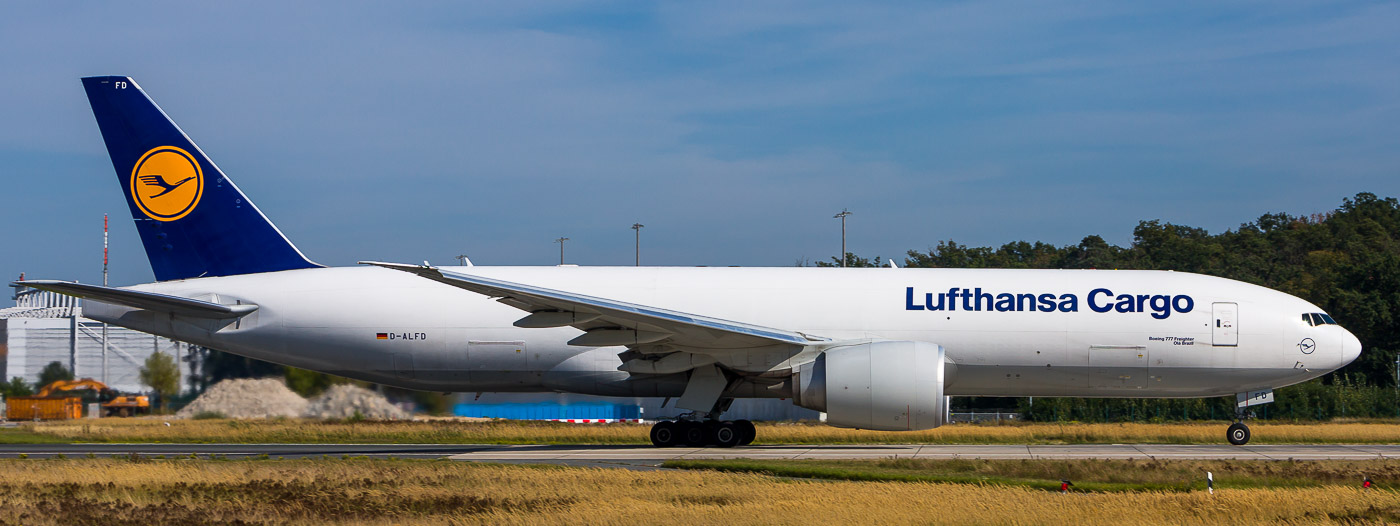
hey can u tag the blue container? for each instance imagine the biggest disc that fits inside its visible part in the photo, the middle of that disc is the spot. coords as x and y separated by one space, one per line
550 411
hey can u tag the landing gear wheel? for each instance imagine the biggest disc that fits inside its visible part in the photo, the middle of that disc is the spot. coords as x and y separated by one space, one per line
1238 434
692 433
708 429
723 434
746 432
664 434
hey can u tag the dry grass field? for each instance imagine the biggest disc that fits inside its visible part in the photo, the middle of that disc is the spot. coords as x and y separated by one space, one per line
525 432
143 491
1087 475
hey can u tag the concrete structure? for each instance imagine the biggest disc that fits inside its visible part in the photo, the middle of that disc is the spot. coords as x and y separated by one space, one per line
44 327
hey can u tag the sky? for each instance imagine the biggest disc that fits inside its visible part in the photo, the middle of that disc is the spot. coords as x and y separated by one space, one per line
733 130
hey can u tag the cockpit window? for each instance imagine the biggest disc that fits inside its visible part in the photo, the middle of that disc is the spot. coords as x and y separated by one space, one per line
1317 318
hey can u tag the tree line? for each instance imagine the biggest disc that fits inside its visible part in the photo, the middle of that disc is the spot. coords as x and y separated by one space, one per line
1346 261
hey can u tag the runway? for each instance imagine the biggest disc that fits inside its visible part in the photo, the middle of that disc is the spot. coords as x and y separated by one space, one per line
233 451
644 456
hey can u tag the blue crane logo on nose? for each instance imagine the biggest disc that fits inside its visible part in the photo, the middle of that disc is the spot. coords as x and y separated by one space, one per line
1307 346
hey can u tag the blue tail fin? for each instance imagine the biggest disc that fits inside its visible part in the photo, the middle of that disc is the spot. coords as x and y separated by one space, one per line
193 221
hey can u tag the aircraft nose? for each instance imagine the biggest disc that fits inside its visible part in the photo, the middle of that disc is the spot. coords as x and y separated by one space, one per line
1351 348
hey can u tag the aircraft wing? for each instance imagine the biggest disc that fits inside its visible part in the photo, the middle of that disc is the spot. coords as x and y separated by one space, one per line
611 322
143 300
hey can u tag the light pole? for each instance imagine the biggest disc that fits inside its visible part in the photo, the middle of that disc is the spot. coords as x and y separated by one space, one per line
638 228
561 248
462 258
842 216
105 346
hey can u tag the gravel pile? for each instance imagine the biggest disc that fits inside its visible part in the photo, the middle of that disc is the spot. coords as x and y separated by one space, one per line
243 398
344 401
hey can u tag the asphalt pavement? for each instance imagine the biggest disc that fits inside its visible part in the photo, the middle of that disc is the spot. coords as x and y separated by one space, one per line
630 456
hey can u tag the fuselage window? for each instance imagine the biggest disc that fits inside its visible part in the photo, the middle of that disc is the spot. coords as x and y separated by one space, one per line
1307 319
1328 319
1317 319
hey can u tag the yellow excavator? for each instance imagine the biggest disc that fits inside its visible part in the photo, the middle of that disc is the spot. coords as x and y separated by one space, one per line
48 405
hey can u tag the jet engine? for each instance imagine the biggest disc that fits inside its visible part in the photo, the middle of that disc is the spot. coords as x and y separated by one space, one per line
884 385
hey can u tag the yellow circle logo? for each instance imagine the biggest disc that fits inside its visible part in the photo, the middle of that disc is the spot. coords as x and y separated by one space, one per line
166 183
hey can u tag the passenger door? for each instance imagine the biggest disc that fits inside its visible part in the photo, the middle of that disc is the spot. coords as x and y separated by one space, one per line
1224 328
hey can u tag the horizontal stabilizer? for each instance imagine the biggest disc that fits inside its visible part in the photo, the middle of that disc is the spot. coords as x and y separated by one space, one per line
143 300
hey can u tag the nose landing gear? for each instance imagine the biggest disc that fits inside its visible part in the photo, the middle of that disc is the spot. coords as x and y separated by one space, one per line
668 433
1238 434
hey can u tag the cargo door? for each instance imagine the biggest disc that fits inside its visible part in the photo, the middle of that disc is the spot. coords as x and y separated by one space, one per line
1117 366
1224 329
498 364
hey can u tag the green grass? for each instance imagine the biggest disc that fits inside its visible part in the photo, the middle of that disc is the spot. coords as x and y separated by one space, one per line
26 435
1086 475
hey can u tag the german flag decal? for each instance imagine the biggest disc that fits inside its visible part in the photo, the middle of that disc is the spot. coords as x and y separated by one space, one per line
404 336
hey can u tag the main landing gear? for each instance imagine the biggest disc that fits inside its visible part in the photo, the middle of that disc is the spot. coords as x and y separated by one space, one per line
669 433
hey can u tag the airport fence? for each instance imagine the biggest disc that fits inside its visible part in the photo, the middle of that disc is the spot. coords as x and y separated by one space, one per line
983 417
1307 401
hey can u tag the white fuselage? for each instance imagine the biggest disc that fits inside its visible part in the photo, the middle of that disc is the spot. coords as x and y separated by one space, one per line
1029 333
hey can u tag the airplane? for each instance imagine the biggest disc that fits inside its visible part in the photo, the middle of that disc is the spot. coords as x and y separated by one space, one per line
872 348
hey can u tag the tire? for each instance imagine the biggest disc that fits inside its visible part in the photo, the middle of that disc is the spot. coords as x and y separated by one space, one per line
1238 434
693 433
746 432
724 434
664 434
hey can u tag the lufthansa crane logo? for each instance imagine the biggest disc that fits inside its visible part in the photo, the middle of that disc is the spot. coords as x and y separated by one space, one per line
166 183
1307 346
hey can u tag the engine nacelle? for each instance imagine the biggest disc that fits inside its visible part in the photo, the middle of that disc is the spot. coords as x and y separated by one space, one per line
884 385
